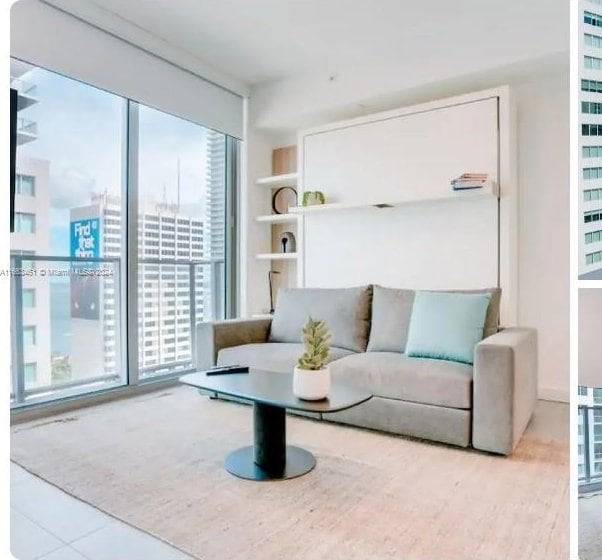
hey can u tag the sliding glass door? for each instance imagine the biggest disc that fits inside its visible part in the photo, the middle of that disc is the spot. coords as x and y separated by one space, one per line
121 212
181 237
66 262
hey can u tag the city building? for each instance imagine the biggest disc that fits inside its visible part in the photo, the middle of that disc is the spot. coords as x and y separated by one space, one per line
31 236
166 289
589 434
215 241
590 156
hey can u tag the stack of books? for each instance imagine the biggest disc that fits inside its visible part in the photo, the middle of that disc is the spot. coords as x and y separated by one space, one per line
469 181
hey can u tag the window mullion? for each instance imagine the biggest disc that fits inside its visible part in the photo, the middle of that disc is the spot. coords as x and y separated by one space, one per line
130 288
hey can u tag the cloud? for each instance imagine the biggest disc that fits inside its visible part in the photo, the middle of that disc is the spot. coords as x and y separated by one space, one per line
71 187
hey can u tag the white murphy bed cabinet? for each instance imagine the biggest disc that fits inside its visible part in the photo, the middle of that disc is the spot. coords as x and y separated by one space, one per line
423 234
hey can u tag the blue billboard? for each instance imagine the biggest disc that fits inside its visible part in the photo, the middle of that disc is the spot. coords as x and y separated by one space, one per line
85 242
85 287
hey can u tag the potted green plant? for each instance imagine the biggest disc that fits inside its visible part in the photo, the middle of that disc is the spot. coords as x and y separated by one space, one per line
312 198
311 378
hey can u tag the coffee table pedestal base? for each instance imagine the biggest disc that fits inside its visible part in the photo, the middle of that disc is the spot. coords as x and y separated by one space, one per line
242 464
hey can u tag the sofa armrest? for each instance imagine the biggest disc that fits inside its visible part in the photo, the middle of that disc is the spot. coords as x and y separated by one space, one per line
212 337
504 389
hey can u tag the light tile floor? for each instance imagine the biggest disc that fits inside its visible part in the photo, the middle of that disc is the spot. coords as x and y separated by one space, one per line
590 526
48 524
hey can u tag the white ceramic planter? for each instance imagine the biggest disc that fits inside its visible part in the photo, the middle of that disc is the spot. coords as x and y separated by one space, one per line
311 385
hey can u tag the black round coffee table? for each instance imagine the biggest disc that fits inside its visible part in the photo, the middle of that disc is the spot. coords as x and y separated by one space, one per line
269 458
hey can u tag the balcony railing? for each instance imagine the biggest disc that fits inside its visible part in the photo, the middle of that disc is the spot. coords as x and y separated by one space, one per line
52 375
25 126
183 293
589 441
201 279
24 87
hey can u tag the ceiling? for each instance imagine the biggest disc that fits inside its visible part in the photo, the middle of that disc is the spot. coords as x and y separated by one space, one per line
263 40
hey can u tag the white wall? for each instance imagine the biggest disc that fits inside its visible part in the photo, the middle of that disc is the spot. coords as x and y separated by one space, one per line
543 224
542 96
590 327
254 237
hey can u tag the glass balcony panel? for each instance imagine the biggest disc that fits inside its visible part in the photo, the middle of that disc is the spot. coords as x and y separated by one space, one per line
62 346
168 317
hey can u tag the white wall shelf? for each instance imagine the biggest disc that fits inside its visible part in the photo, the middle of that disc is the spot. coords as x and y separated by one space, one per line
285 180
277 256
485 192
277 218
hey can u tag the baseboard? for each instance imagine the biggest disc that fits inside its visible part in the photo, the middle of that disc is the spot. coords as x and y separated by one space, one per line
68 404
554 394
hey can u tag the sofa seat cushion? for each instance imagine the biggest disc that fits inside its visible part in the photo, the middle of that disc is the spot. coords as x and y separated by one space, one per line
270 356
396 376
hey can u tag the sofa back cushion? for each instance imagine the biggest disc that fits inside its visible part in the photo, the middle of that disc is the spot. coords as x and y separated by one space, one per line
346 311
492 318
392 310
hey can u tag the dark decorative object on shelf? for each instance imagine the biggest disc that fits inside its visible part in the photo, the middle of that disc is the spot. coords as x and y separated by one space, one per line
288 243
283 198
270 274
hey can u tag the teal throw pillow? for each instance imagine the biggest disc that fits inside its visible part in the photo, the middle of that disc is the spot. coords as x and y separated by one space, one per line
446 325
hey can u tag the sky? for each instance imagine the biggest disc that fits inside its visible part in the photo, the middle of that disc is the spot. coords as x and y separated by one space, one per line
81 134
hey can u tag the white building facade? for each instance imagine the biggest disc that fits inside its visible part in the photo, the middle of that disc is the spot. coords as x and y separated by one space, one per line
590 149
171 291
215 235
31 236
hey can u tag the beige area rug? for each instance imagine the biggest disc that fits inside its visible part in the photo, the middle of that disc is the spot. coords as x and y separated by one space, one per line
156 462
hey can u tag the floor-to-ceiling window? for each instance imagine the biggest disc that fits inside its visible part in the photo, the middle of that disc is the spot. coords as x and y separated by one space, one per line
70 141
85 157
181 223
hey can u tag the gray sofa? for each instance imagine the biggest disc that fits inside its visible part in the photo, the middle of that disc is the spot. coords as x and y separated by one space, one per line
486 405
